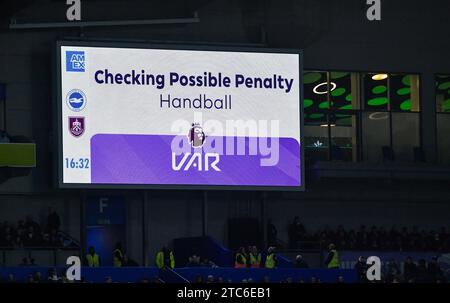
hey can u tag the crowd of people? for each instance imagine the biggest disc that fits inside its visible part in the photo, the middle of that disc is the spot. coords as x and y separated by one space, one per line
197 261
252 258
411 272
53 276
264 280
29 233
376 238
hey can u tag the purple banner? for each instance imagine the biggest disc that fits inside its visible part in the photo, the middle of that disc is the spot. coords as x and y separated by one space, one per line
148 159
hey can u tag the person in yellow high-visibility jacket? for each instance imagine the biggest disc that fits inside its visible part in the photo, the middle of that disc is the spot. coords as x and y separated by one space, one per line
92 259
255 258
240 259
118 255
271 258
332 260
165 258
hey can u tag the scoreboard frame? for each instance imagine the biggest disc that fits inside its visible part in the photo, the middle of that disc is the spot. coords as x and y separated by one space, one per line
58 159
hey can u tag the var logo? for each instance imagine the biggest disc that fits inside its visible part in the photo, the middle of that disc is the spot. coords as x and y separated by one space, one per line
75 61
199 161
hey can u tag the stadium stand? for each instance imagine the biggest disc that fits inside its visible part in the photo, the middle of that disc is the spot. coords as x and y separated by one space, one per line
215 265
372 238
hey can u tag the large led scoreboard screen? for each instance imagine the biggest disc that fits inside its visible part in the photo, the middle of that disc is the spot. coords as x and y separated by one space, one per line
157 116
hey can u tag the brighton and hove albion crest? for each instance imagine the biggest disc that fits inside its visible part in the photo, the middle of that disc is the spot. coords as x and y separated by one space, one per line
76 126
196 135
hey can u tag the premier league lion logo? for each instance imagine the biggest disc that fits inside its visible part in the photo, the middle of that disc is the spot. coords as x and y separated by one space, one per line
196 135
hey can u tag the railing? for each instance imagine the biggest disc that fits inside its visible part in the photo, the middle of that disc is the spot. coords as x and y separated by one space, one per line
67 237
170 276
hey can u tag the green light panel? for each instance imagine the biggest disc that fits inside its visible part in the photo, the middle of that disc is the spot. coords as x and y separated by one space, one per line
379 89
378 101
307 103
309 78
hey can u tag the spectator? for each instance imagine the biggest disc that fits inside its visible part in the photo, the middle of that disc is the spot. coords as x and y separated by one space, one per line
210 279
422 272
436 243
362 238
165 258
392 271
92 259
199 279
300 262
296 232
55 239
351 241
378 238
194 261
29 233
30 238
240 259
30 279
255 258
208 263
271 234
332 260
53 221
46 240
29 222
409 270
37 277
52 276
4 137
118 255
361 269
445 238
24 262
434 270
205 263
340 280
11 279
271 258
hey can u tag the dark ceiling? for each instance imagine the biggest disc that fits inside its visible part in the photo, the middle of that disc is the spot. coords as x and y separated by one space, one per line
94 10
